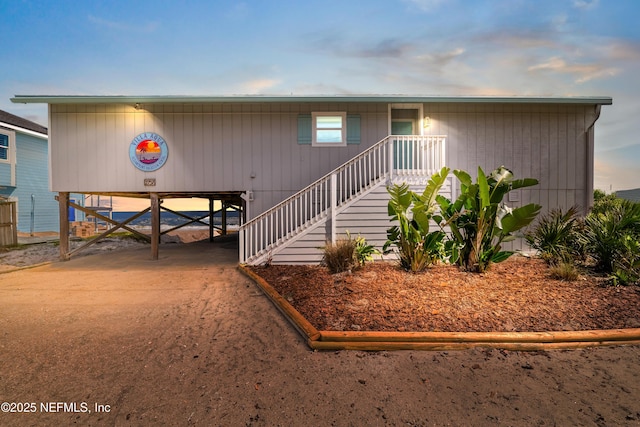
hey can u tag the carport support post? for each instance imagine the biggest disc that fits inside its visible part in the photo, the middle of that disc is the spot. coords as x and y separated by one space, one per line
63 207
211 220
224 218
155 225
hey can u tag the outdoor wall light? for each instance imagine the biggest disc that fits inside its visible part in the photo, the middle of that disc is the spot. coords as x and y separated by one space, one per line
137 106
426 122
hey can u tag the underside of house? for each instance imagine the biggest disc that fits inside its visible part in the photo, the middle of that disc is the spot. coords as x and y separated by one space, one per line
304 170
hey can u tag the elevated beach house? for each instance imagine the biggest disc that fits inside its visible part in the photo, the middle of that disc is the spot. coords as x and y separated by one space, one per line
27 202
305 169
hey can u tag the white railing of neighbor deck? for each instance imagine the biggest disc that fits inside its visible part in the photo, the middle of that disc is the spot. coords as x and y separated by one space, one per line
396 156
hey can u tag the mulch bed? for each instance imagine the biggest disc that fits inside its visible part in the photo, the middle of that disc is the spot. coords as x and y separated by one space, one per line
516 295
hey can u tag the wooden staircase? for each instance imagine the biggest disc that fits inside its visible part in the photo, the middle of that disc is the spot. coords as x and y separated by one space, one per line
351 197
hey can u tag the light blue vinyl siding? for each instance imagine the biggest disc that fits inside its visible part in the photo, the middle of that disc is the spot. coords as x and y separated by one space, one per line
5 174
32 178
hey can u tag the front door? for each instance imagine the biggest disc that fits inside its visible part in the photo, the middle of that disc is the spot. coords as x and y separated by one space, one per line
404 127
402 147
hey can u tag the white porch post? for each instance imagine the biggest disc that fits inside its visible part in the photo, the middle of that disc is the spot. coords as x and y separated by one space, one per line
334 202
390 161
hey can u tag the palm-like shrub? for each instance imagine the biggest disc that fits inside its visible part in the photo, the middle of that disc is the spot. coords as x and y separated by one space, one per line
555 235
611 239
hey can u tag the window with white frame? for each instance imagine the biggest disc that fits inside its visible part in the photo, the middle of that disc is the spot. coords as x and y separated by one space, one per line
4 147
329 129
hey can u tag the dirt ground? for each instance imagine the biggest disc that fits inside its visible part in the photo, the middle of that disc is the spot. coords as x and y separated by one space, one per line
188 340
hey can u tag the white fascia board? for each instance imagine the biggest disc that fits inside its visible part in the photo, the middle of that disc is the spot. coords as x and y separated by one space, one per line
25 131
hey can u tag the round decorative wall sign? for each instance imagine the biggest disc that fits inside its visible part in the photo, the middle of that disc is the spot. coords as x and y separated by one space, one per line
148 151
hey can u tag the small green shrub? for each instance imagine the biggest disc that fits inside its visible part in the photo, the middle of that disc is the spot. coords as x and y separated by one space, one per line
341 255
627 267
603 202
609 237
364 252
555 236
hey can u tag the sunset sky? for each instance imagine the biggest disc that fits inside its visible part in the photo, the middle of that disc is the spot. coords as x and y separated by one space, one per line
413 47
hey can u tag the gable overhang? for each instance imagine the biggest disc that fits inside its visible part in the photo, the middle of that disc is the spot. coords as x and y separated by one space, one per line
178 99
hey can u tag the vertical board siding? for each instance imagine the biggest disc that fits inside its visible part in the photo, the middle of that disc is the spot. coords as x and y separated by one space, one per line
216 147
545 142
219 147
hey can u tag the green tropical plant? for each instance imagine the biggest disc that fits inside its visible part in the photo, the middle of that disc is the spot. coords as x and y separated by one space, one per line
555 235
416 246
364 252
611 239
603 202
480 222
627 268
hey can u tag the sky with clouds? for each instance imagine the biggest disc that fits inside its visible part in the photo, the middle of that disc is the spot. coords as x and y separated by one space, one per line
414 47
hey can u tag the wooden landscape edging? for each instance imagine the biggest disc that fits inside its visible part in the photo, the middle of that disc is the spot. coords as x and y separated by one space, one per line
442 341
299 322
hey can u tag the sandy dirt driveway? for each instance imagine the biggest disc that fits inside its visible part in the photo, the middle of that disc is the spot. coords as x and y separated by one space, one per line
117 339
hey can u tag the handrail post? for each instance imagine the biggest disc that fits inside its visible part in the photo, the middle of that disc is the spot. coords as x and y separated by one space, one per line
390 160
334 201
241 233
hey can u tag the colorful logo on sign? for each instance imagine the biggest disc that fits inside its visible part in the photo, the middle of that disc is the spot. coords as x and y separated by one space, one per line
148 151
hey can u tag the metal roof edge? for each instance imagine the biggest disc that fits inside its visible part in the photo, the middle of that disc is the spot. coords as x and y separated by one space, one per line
131 99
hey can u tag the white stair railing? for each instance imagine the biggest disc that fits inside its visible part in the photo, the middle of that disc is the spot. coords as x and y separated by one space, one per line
394 156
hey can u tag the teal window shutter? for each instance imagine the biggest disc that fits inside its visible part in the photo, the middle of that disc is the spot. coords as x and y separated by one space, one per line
353 129
304 129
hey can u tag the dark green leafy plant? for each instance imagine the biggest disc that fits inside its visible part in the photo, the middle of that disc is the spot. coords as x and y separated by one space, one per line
480 222
416 246
603 202
627 268
611 239
364 252
555 236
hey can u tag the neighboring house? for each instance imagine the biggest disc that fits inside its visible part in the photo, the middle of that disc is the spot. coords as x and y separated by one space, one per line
309 168
632 195
24 173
